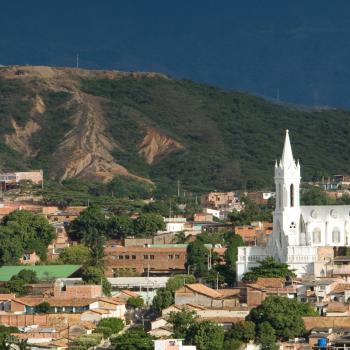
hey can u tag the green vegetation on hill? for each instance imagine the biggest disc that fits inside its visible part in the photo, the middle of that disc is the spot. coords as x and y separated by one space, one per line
231 139
228 140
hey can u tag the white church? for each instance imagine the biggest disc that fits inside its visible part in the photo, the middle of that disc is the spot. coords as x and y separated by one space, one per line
303 236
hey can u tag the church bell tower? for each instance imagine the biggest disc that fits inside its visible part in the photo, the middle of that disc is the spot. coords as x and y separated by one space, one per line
286 216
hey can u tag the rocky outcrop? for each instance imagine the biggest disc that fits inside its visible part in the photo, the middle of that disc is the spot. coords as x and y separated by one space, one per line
156 144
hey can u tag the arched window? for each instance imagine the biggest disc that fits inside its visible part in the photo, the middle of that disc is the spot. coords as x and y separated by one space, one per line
292 195
280 194
316 235
336 235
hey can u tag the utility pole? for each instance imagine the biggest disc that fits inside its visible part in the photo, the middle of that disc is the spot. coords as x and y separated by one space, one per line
217 280
77 60
178 188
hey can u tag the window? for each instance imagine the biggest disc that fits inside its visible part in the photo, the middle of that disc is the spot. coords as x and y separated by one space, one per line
292 225
292 195
151 257
177 256
127 257
145 257
121 257
133 257
336 235
316 235
170 257
280 195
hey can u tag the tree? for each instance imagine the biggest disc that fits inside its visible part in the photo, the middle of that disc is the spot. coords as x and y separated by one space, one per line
181 322
232 344
135 302
205 335
231 252
42 308
314 196
267 336
180 238
268 267
17 283
94 275
76 255
28 276
177 281
95 242
24 231
120 226
133 339
148 224
115 324
243 331
197 255
91 218
283 314
251 212
163 299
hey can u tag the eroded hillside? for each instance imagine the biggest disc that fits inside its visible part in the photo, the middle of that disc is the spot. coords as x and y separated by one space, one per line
96 125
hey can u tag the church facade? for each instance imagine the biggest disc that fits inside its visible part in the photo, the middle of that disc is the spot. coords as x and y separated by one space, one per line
304 237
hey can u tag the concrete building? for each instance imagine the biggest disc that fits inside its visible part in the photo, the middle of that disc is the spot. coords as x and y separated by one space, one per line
151 259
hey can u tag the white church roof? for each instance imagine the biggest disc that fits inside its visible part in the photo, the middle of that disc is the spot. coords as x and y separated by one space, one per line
325 212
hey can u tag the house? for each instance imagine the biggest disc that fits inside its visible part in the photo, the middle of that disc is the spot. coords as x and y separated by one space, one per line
126 294
260 197
172 344
63 216
202 217
152 259
64 289
159 238
316 290
257 233
26 305
35 176
219 200
224 317
200 294
29 258
5 301
175 224
99 307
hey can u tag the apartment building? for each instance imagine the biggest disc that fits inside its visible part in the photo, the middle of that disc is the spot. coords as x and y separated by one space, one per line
150 259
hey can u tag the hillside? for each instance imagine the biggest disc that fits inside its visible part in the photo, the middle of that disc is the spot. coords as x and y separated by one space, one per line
96 125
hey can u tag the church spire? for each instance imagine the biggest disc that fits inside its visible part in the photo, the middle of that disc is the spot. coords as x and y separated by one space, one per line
287 155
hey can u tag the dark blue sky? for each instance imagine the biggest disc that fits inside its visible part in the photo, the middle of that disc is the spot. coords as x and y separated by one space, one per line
301 48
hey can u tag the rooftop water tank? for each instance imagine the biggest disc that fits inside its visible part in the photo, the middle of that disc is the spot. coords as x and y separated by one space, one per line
322 342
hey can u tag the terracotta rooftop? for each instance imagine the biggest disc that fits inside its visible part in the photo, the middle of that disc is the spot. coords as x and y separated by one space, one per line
130 293
33 301
337 307
7 296
271 282
340 288
112 300
200 289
